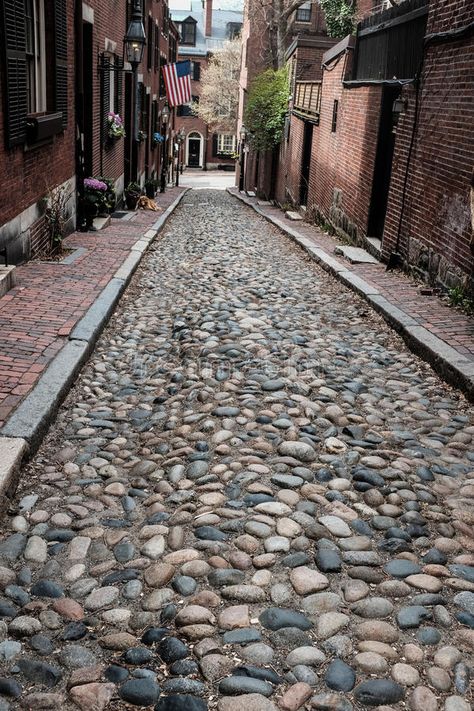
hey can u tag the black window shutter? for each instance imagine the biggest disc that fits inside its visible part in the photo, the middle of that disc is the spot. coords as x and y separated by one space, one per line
14 41
60 47
118 85
105 97
214 144
196 71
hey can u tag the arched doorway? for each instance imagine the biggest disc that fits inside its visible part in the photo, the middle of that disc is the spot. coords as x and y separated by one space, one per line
194 150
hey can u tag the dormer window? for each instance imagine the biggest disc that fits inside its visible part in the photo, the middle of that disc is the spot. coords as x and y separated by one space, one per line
188 31
233 30
303 13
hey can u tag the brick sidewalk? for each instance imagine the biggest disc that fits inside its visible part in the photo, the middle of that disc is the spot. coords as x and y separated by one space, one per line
37 316
451 325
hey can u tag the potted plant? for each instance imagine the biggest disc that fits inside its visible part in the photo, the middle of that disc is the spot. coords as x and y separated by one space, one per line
94 200
115 124
151 186
110 197
132 193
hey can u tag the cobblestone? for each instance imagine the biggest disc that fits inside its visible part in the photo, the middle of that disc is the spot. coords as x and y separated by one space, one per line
254 496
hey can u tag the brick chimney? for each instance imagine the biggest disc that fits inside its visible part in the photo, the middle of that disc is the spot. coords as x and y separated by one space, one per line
208 18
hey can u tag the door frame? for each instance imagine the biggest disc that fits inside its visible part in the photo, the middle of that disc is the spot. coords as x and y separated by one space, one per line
383 164
194 136
306 152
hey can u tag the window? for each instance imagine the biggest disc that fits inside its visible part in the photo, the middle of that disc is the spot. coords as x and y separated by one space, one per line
233 29
186 109
334 115
196 71
27 59
226 143
188 32
35 55
156 59
162 88
303 13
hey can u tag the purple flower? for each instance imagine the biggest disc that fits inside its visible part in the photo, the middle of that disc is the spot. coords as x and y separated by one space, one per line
93 184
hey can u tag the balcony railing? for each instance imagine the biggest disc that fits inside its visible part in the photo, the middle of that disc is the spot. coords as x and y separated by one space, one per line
307 102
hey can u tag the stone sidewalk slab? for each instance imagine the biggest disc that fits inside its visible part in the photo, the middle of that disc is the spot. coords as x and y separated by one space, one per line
441 335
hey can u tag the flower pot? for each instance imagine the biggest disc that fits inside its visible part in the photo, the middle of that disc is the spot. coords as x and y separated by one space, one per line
131 199
150 191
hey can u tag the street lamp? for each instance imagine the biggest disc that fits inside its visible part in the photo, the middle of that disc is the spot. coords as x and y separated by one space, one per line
243 137
134 46
165 114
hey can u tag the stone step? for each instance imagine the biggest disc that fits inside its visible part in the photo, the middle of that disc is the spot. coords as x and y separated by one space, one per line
295 216
355 255
7 279
101 222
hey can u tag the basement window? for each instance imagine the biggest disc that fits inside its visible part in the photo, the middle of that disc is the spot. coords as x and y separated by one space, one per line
335 109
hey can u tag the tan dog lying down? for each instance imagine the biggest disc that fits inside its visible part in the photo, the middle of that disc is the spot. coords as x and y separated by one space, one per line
147 204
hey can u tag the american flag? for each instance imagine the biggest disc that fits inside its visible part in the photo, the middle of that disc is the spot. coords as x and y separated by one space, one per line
178 82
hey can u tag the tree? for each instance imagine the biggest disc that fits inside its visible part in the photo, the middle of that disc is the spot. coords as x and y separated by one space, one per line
267 105
219 98
339 16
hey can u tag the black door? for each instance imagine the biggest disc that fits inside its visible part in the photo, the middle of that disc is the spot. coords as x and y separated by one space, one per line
306 162
87 73
383 164
194 151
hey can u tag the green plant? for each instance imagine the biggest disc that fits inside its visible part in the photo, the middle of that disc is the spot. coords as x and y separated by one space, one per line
55 214
151 183
133 189
110 197
457 297
339 16
267 106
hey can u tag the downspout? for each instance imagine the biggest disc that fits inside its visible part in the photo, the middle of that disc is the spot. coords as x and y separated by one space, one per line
79 109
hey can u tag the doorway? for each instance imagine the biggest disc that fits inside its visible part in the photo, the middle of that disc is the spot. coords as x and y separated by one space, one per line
306 162
194 150
383 163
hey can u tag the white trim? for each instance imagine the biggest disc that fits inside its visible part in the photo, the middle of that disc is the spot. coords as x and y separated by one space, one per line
195 135
87 13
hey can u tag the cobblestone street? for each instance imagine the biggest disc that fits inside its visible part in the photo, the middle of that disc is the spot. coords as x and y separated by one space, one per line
254 498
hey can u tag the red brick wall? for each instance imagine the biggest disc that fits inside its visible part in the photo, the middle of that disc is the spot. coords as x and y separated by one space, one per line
110 23
26 175
436 229
343 161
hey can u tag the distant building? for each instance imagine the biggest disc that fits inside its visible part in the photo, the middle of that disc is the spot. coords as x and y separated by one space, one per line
204 26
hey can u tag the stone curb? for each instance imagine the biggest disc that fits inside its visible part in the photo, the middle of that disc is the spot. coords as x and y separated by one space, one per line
25 429
447 361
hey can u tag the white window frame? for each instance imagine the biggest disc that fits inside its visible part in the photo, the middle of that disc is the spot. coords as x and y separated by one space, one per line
226 143
112 85
37 92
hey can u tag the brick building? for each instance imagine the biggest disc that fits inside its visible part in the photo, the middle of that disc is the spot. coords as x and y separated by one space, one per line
385 159
37 126
62 72
204 27
306 40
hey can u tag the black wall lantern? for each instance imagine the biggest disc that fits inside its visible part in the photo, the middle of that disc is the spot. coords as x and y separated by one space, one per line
134 40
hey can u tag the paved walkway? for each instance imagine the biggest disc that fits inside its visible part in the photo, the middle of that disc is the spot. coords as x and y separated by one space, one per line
37 316
207 179
451 325
255 497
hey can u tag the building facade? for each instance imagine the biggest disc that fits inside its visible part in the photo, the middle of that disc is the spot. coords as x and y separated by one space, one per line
204 27
379 139
63 77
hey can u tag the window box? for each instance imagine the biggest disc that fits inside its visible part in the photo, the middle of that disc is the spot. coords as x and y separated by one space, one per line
42 126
